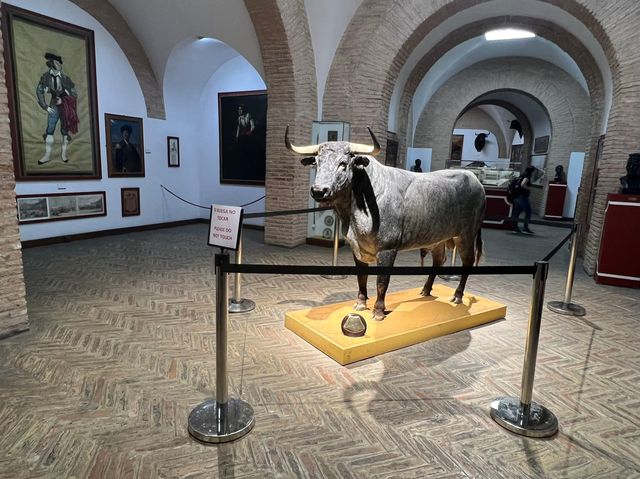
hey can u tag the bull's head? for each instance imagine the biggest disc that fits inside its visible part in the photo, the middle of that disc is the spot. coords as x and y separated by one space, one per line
335 162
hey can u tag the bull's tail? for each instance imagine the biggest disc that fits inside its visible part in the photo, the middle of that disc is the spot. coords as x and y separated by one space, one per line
478 246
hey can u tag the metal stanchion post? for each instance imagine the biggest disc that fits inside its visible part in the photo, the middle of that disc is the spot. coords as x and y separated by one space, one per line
336 243
222 419
523 416
238 304
451 277
566 307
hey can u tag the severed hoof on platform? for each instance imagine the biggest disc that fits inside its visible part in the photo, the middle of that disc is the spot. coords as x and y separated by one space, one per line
456 300
425 293
354 325
378 316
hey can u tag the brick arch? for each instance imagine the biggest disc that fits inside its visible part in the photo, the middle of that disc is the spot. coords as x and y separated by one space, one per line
545 29
287 54
380 38
527 131
562 97
117 26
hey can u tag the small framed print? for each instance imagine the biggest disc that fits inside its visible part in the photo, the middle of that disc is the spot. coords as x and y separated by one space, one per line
130 198
60 206
173 151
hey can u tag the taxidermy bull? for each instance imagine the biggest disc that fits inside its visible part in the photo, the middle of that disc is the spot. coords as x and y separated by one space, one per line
384 210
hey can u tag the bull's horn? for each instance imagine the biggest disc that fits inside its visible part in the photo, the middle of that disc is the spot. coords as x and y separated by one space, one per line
360 149
311 150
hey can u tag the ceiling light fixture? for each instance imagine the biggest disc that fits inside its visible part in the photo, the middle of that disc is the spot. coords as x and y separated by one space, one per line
507 34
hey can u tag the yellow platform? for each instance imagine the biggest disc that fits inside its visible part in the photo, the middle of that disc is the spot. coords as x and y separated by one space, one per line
411 320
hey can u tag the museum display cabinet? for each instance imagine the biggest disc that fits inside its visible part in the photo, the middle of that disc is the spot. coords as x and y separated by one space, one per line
617 263
555 201
495 180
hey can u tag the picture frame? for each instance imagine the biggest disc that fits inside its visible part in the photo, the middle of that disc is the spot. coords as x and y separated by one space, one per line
242 118
60 206
173 152
125 145
541 144
53 106
130 201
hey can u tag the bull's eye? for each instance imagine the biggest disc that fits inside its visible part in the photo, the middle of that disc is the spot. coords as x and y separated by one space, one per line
343 165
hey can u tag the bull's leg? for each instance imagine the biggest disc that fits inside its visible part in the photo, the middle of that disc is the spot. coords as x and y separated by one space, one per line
439 255
423 253
361 302
385 258
466 250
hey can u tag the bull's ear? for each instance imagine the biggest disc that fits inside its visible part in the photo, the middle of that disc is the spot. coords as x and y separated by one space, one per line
360 161
309 160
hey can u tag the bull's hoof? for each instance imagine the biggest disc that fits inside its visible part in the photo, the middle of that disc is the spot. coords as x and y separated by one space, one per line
360 306
456 300
425 293
378 315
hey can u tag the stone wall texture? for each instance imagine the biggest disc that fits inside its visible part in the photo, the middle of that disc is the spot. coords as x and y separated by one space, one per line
13 305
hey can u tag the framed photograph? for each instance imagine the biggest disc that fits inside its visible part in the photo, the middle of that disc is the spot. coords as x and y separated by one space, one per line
130 201
53 107
173 151
541 144
60 206
243 137
125 145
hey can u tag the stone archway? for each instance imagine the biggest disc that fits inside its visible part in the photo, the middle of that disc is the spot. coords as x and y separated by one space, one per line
566 103
287 53
117 26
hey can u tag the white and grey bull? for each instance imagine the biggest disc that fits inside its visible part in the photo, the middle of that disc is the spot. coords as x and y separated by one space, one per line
384 210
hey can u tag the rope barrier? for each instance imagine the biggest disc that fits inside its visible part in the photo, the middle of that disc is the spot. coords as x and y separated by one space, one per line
207 207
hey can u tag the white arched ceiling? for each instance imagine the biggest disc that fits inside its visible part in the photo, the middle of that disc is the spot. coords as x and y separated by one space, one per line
535 113
523 8
162 24
478 49
328 19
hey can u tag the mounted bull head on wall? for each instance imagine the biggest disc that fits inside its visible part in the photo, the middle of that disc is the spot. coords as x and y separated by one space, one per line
480 141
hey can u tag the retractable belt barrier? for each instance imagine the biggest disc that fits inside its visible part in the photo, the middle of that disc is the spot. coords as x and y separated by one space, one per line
225 419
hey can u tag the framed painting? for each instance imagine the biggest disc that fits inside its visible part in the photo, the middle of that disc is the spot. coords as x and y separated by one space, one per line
60 206
53 107
130 198
125 145
242 120
541 144
173 151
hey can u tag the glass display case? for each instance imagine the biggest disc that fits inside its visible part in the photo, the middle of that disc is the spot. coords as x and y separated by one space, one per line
496 174
322 223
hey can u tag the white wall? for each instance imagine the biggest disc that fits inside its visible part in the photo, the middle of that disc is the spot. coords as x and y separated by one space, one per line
187 117
489 153
112 68
328 20
235 75
425 157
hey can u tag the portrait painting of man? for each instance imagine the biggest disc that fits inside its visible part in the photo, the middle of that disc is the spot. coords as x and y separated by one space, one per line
52 97
243 137
125 148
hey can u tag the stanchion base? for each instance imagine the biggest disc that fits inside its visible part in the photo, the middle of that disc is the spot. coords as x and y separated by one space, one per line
449 277
210 422
568 309
540 422
241 306
333 276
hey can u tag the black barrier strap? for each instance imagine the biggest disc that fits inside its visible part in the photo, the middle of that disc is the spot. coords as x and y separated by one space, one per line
509 219
266 214
374 270
557 248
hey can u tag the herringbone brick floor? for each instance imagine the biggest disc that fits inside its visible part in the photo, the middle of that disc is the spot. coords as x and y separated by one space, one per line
122 348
